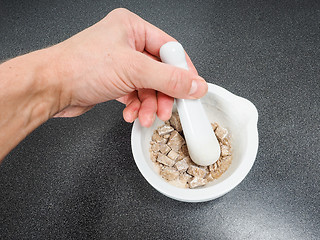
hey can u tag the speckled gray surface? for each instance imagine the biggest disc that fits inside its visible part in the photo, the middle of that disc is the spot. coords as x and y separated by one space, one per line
76 178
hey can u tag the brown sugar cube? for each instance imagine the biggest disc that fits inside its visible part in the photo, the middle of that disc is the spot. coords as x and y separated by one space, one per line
225 150
175 122
218 163
155 147
188 160
184 150
180 157
226 159
197 171
185 177
226 141
166 135
206 169
165 160
213 167
209 178
221 133
225 163
173 155
216 174
182 165
164 149
175 141
156 137
153 156
169 173
214 126
165 129
197 182
164 140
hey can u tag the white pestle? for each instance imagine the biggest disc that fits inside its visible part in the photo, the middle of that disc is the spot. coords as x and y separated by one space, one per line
203 146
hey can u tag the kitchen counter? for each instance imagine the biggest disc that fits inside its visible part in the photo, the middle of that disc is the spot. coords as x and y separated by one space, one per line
76 178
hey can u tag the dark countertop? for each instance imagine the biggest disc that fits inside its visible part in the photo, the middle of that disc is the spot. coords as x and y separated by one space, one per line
76 178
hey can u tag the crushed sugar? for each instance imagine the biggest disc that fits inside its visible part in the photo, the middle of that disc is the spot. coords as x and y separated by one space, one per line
170 155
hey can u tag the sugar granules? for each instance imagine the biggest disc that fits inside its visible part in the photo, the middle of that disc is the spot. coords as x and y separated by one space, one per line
169 152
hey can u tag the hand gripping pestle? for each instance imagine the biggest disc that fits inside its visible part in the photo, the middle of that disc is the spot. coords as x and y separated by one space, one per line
203 146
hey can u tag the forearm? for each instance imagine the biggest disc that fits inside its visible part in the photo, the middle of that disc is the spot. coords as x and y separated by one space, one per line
29 95
115 58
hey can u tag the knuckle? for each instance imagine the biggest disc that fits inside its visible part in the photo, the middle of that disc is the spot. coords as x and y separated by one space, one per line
118 14
176 81
134 70
119 11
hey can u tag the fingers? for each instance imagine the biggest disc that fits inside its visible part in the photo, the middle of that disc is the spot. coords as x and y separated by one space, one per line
151 56
170 80
130 113
142 104
151 103
190 64
165 104
148 109
146 72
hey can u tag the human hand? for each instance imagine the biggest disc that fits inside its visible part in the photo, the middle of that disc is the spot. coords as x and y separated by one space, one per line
118 58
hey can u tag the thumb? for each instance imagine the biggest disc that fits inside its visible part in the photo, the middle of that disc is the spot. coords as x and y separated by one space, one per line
173 81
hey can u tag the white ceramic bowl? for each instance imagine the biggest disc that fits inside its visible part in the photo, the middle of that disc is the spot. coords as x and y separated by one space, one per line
236 114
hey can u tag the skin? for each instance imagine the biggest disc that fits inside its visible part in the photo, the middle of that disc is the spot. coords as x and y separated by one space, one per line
115 59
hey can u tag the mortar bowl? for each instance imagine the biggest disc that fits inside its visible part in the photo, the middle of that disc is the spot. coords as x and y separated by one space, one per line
235 113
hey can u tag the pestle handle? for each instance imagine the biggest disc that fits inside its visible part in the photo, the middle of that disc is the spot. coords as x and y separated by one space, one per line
173 54
202 143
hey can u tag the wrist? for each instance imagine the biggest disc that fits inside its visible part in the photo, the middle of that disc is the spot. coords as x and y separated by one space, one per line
30 93
49 81
41 84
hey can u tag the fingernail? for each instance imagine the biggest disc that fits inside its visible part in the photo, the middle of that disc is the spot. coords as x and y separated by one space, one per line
194 87
198 86
128 117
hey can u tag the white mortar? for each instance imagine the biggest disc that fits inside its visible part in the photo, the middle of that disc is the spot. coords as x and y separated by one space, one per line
236 114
